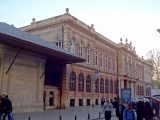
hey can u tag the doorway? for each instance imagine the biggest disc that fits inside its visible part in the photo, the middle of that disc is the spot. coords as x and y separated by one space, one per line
55 78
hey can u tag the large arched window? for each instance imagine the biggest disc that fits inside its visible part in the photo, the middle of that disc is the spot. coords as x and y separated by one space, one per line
72 81
102 85
115 87
81 82
88 83
106 86
59 42
111 86
138 90
97 85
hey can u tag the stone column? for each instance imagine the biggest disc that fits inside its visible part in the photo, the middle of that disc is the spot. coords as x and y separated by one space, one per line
132 89
65 87
40 86
6 63
119 82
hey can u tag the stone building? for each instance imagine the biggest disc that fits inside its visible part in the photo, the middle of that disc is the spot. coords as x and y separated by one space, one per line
23 65
112 61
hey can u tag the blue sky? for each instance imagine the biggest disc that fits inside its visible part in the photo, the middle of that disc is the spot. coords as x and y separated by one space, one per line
136 20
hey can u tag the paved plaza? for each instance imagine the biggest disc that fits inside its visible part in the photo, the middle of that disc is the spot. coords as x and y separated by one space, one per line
67 114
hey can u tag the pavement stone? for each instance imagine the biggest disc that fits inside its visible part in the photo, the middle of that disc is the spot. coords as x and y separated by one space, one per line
67 114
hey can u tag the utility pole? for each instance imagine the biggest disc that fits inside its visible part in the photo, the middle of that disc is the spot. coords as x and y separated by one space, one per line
62 36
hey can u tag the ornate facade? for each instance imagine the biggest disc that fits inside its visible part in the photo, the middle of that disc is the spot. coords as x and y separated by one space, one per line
111 60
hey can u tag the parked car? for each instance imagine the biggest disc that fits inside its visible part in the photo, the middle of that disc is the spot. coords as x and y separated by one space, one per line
157 97
153 98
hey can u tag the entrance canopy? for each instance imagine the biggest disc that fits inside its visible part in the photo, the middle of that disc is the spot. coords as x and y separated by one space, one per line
16 37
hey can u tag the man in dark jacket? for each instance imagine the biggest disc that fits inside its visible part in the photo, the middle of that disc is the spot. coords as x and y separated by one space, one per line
119 110
7 108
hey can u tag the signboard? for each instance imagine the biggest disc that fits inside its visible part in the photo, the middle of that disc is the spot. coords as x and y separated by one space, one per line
126 95
96 75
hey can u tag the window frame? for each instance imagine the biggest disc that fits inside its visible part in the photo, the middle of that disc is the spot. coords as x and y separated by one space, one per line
101 60
106 62
87 55
73 81
96 58
106 86
88 83
72 45
101 85
59 42
97 85
111 86
81 82
80 50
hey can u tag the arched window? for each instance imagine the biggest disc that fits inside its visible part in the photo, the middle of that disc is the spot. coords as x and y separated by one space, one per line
102 85
81 82
106 86
111 86
59 42
88 83
72 81
115 87
97 85
72 46
139 90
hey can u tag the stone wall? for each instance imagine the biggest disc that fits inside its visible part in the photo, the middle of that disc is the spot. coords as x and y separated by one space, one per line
22 83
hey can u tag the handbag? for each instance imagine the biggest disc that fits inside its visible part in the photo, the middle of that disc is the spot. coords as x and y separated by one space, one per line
11 117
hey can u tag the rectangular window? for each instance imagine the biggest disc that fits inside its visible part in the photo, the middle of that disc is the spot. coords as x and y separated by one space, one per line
101 60
96 58
88 55
106 62
114 65
80 50
110 63
72 46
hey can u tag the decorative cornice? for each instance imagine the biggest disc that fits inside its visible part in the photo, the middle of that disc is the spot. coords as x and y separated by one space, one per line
74 25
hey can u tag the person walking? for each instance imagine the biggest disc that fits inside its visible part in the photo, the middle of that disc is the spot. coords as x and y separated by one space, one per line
148 111
139 110
128 113
102 101
0 107
119 110
107 109
7 108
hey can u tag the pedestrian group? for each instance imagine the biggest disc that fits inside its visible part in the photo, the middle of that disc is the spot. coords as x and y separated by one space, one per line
144 110
5 108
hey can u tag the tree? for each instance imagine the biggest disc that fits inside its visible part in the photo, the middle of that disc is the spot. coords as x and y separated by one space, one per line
153 57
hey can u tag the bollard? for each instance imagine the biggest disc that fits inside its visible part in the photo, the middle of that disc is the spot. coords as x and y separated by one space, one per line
60 118
29 118
99 114
88 116
75 117
93 105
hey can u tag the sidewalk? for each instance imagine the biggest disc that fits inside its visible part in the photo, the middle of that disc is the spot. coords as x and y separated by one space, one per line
66 114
